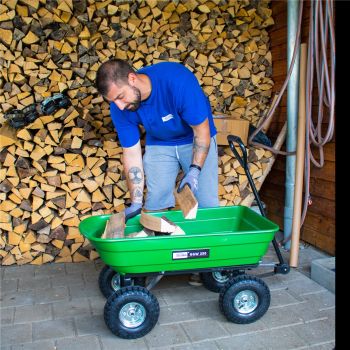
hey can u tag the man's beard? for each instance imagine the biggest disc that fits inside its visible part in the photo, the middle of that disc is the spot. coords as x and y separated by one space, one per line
133 106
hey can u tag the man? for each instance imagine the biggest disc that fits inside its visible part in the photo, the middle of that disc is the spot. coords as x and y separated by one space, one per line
168 101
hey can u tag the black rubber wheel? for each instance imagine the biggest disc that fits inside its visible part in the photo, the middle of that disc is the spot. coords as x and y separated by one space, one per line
109 281
215 281
244 299
131 312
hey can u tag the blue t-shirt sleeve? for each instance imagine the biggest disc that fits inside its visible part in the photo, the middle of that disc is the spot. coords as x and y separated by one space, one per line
193 104
128 132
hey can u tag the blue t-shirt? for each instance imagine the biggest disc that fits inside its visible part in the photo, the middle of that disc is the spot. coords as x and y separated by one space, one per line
176 102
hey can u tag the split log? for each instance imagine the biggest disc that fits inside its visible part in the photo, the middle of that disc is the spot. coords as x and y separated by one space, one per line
115 226
145 232
187 202
158 224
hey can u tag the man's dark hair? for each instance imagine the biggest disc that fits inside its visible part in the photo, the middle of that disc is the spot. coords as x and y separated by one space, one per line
113 71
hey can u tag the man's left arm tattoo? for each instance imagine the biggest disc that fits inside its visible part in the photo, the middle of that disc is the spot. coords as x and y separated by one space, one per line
200 150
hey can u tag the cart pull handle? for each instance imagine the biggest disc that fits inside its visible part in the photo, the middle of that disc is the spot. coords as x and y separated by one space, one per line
236 139
282 267
244 163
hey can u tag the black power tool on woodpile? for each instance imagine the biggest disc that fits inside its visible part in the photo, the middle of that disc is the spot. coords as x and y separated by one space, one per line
19 118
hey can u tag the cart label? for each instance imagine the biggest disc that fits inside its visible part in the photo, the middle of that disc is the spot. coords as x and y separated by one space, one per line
190 254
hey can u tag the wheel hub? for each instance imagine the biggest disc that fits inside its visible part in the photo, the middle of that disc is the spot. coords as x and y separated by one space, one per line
220 277
246 301
132 315
115 282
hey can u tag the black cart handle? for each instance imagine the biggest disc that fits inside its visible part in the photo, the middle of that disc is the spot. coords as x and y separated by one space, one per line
244 163
236 139
282 267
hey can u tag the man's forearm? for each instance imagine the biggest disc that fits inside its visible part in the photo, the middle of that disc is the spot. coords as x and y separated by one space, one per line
201 143
135 184
132 162
200 151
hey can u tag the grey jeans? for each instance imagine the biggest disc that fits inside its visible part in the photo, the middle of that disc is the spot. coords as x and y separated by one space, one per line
161 166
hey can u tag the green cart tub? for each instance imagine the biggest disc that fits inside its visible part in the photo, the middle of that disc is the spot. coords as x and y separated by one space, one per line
218 237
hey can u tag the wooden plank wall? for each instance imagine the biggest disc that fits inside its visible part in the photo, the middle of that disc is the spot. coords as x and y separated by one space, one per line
319 226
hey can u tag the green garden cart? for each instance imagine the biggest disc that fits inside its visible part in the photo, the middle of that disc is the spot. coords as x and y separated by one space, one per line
220 244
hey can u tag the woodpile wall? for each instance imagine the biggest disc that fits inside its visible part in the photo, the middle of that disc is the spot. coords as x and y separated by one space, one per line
67 166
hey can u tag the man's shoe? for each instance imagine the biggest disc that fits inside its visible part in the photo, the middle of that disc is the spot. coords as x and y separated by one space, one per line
195 280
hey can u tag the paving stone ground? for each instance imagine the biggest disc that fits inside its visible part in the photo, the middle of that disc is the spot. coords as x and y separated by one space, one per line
59 306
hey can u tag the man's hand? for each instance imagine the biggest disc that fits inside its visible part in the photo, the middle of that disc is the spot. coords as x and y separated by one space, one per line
191 179
133 210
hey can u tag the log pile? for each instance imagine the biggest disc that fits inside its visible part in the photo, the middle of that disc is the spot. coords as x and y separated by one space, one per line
234 187
66 166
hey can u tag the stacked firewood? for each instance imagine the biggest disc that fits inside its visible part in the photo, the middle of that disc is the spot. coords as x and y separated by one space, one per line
66 166
234 187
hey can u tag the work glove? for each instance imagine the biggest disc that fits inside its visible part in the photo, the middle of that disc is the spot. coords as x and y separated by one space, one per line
133 210
191 179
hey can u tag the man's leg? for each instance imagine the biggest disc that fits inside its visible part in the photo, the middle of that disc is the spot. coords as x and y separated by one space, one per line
208 182
161 167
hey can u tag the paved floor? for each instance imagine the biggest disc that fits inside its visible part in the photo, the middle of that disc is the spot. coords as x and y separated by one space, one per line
59 306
